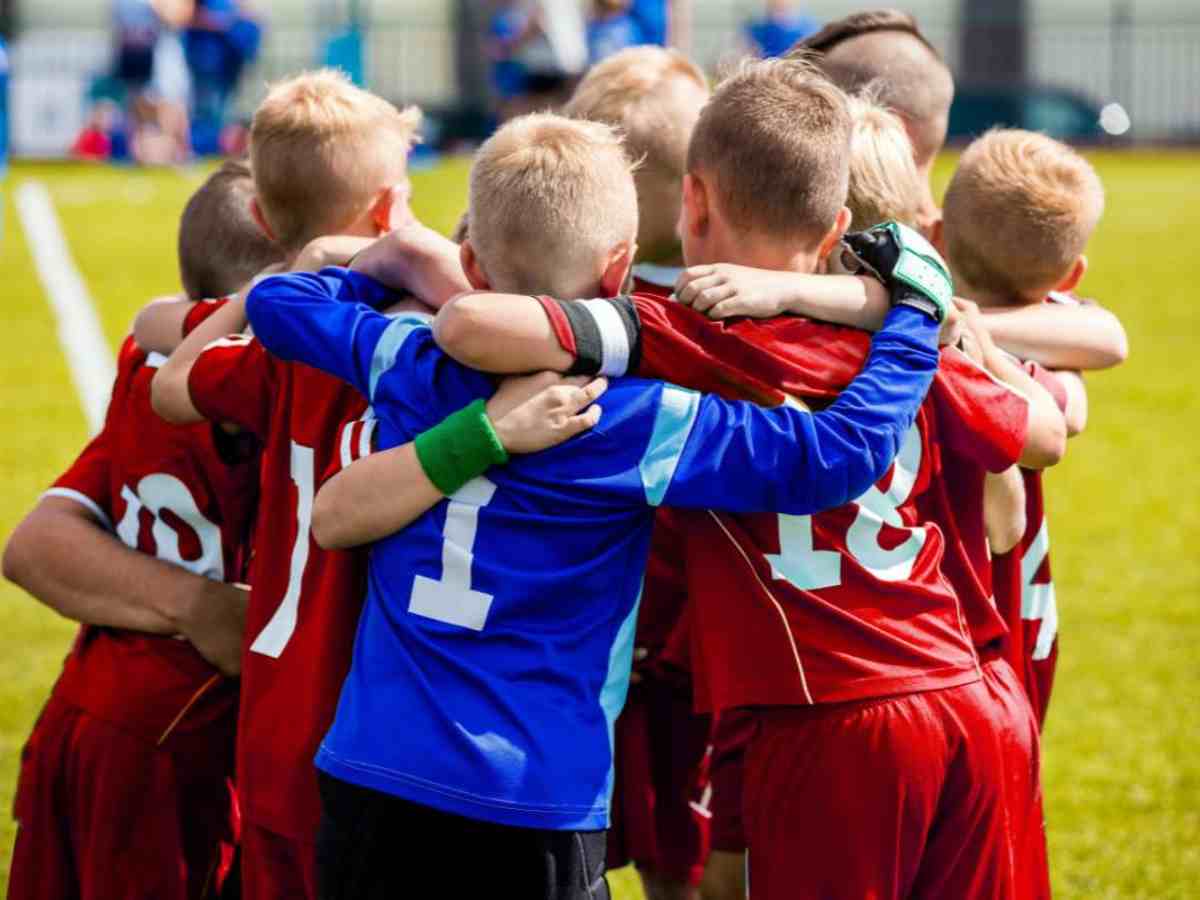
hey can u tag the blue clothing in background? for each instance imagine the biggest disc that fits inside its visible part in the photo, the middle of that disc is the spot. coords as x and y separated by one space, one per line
610 35
774 36
509 76
652 19
494 648
3 109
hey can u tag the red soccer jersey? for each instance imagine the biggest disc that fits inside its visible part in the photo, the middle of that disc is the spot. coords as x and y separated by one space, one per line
853 602
1024 589
186 495
305 601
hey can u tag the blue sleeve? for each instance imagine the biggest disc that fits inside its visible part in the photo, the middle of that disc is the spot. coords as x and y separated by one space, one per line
710 453
393 360
298 317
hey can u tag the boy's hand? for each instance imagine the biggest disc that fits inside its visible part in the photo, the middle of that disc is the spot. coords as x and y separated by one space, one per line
724 290
417 259
330 250
533 412
914 272
215 621
974 339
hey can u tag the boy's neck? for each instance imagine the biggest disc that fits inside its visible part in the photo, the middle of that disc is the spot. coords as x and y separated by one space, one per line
991 299
668 254
781 258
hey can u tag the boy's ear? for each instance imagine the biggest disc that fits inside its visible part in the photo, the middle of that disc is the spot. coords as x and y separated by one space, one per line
840 224
390 209
695 212
1072 279
471 268
616 268
256 213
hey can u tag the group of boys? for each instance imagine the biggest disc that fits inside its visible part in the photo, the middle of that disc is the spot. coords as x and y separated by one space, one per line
827 572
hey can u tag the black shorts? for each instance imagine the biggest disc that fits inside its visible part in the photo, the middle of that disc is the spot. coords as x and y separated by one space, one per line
373 845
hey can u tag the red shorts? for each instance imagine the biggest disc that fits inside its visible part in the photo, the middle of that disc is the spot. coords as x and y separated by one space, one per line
659 815
730 736
102 813
926 795
275 867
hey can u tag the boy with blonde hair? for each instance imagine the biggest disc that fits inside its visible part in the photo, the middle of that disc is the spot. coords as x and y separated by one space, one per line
653 95
660 820
125 782
884 182
492 620
821 635
327 158
1019 212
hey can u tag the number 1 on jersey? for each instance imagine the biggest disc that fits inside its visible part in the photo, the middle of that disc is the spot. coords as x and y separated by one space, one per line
452 600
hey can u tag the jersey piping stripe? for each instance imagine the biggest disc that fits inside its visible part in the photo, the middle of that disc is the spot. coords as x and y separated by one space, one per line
367 437
83 500
677 412
389 345
200 692
774 602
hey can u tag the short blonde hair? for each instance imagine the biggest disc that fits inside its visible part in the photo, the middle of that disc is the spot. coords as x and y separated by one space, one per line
549 198
629 90
1019 211
775 137
321 149
641 91
884 182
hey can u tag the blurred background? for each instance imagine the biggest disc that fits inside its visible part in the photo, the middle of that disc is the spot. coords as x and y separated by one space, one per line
111 109
158 80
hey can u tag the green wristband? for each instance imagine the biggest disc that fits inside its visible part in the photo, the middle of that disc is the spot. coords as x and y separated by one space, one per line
461 447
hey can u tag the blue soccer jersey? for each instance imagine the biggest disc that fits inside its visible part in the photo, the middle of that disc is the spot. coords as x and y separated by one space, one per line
494 648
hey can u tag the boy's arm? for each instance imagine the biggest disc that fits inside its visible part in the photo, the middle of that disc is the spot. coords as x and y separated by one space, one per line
416 259
380 494
1076 412
500 333
64 556
158 326
714 454
1060 335
1004 509
328 320
1046 434
723 290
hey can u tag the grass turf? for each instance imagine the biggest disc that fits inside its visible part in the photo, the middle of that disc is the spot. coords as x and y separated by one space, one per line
1121 772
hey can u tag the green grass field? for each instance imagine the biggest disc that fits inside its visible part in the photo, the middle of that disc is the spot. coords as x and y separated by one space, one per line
1122 769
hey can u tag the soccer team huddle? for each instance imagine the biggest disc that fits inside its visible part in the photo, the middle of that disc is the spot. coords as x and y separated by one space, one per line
684 510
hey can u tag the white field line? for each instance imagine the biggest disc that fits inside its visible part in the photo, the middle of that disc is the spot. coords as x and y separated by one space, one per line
89 358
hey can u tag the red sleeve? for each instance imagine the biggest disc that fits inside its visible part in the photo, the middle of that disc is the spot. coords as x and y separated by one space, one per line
356 439
201 311
980 417
88 481
1050 382
559 324
234 380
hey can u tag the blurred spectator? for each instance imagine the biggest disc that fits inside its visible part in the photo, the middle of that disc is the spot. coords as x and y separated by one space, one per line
153 81
513 23
222 38
781 27
653 18
611 29
536 48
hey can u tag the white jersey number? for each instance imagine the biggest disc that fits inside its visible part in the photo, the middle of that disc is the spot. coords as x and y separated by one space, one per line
275 636
159 493
1038 600
452 599
809 569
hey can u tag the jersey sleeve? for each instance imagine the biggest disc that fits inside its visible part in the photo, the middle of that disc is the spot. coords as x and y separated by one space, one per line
234 379
980 417
200 311
710 453
88 481
327 321
356 439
